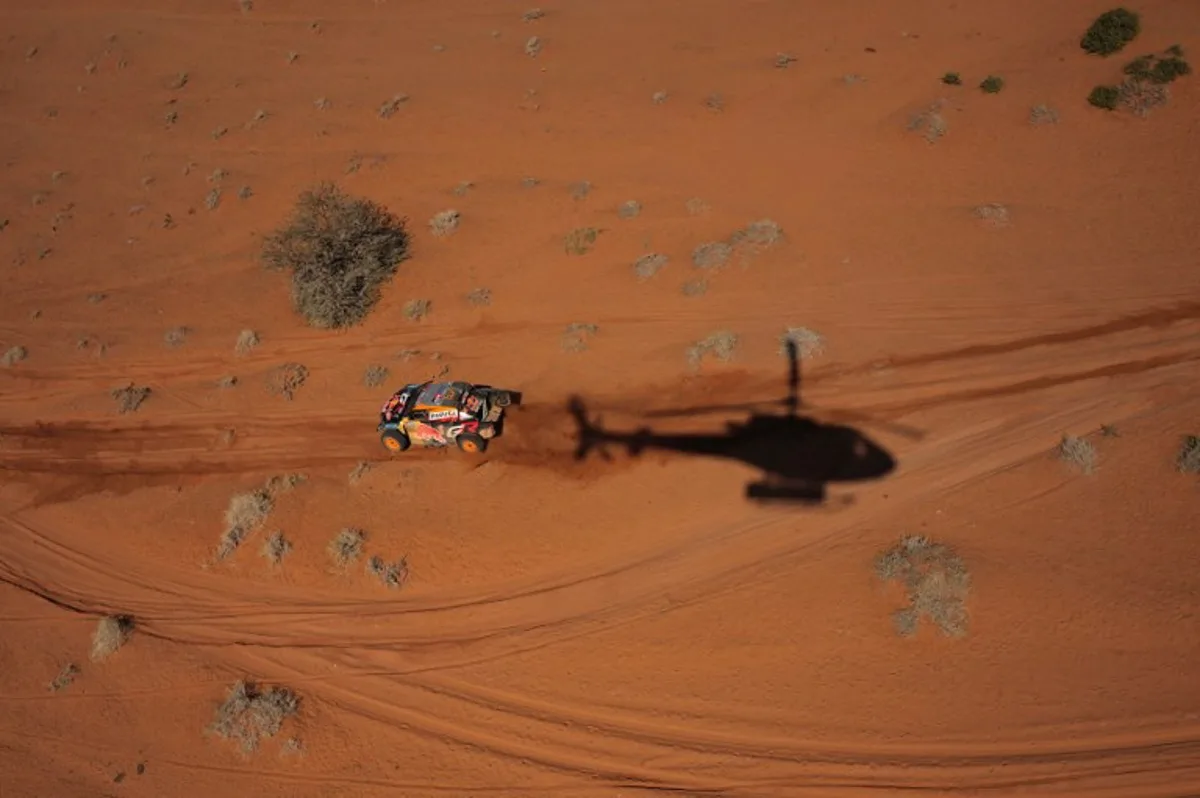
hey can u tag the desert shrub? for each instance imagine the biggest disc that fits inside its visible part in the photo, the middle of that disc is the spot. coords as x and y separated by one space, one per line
391 574
1157 68
249 714
1078 452
245 513
130 397
720 344
935 579
1188 460
14 355
287 379
952 79
246 341
1105 97
347 546
340 250
65 677
808 343
992 84
111 633
276 547
1110 32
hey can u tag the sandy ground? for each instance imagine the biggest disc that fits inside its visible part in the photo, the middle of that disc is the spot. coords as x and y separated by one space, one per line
604 628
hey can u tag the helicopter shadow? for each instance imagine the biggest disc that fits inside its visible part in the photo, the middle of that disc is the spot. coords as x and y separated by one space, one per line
798 456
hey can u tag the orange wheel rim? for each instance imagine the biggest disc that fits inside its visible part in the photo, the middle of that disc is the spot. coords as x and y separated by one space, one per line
392 444
470 446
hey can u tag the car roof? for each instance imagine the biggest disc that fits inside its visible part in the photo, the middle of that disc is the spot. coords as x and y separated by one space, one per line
441 394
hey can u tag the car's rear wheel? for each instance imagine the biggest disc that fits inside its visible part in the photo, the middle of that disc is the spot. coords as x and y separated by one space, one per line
394 441
471 443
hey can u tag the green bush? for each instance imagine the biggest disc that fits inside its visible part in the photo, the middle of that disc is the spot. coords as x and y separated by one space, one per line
952 79
992 84
340 250
1105 97
1110 32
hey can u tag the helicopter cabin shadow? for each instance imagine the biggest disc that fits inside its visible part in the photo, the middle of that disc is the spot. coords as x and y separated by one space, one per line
798 455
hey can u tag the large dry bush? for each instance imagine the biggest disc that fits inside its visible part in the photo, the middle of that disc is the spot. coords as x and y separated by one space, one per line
340 251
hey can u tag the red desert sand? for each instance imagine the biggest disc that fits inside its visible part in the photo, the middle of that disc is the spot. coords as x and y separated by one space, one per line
217 588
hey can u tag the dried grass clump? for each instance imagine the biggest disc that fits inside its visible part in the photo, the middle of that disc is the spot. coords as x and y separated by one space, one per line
246 512
249 714
112 632
936 581
1078 452
720 344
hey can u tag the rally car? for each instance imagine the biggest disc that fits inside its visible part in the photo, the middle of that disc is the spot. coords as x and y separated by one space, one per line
444 413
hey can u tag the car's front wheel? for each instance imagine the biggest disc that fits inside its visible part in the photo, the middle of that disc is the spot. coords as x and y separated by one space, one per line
394 440
471 443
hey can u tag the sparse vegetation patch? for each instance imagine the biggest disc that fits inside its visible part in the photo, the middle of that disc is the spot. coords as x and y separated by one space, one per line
375 375
444 222
65 677
340 250
276 547
936 580
246 341
250 714
649 265
992 84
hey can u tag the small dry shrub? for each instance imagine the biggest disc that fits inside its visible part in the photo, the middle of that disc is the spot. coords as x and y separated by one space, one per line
246 341
65 677
359 471
1043 115
480 297
993 214
1078 452
347 545
758 234
417 309
375 375
130 397
936 581
112 632
246 512
14 355
445 222
283 483
630 209
720 344
392 575
176 336
575 337
276 547
930 122
533 46
250 714
389 107
711 255
287 379
808 343
649 265
580 240
340 250
1188 459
